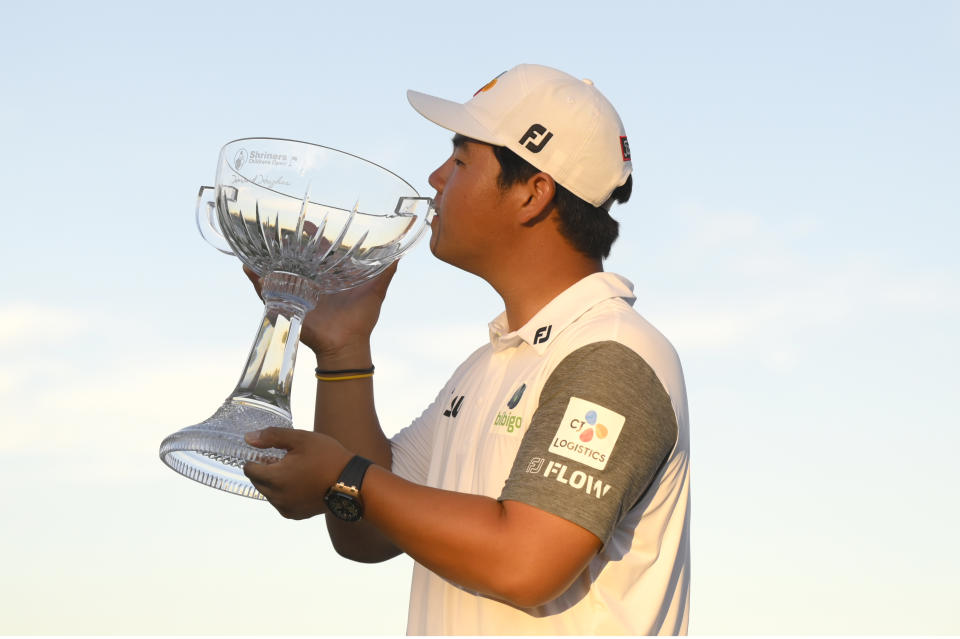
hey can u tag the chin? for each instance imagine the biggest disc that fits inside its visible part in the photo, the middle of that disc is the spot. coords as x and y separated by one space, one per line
440 254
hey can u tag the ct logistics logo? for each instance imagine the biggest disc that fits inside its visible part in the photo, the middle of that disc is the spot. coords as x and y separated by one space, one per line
587 433
590 421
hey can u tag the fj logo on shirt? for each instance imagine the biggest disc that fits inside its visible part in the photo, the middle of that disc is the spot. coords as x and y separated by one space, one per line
542 334
587 433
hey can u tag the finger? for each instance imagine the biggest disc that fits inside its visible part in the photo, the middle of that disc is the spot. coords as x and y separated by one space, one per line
260 476
390 271
255 279
257 473
273 437
382 281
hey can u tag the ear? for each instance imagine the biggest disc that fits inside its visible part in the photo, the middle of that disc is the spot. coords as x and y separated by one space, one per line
537 193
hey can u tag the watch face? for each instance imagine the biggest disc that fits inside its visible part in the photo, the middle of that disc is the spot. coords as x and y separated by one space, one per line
344 506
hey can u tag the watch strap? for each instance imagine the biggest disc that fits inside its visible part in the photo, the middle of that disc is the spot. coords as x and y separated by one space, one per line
351 478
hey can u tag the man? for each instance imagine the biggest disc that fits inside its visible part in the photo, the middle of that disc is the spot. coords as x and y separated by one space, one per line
546 489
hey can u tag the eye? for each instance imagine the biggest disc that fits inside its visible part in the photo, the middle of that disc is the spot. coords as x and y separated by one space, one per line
458 162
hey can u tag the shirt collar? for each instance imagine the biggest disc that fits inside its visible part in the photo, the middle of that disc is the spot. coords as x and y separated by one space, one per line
561 311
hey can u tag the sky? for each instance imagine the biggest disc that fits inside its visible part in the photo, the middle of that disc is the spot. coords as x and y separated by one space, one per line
792 230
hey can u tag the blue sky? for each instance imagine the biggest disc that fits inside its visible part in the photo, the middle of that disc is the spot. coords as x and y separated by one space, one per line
792 230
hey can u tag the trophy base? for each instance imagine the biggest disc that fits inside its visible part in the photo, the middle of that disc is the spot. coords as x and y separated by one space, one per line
213 452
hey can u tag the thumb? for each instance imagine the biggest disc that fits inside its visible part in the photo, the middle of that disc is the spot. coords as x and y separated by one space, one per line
390 271
274 437
382 281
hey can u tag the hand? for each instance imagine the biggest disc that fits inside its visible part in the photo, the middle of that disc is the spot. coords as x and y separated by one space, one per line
296 484
342 320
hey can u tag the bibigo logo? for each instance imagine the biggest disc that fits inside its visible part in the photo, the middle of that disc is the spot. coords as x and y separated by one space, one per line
587 433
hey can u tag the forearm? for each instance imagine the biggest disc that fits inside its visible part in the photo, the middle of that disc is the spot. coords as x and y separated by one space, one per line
506 550
345 411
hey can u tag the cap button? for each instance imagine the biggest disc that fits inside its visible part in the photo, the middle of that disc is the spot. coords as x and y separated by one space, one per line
588 81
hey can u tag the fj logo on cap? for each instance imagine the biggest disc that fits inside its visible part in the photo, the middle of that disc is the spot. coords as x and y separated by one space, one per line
533 135
625 148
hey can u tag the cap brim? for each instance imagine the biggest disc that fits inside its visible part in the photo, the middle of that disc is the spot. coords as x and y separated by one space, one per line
450 115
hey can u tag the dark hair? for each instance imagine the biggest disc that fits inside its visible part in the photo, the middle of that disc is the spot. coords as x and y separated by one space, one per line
590 229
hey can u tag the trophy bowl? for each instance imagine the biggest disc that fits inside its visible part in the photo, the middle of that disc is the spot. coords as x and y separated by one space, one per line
311 221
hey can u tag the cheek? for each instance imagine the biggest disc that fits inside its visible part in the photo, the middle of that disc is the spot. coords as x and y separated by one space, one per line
454 204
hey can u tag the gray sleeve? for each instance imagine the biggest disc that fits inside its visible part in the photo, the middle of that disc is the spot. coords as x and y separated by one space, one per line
602 430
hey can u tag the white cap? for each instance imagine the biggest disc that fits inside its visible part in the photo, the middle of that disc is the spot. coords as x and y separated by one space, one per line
563 126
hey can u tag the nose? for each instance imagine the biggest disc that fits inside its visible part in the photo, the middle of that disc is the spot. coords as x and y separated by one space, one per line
439 176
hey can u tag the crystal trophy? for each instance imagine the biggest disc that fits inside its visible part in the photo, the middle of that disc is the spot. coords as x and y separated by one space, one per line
310 220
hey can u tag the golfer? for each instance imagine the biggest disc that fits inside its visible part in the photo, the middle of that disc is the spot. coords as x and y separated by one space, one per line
546 490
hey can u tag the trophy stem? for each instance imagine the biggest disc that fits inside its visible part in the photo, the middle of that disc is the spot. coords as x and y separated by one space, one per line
268 374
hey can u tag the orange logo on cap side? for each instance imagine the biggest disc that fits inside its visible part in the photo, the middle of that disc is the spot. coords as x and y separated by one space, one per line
488 85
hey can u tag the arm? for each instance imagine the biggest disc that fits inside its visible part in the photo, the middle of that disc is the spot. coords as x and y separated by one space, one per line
345 411
485 545
513 549
492 547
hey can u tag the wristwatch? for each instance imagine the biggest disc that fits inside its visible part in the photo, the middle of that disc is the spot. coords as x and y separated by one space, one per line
343 498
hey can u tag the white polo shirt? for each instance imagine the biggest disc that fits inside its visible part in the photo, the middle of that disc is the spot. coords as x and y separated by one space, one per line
582 412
